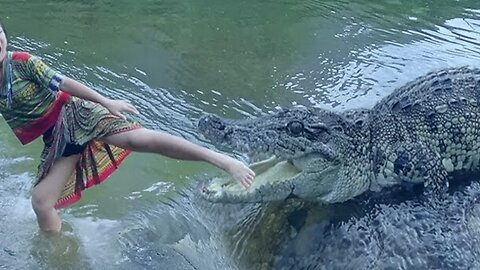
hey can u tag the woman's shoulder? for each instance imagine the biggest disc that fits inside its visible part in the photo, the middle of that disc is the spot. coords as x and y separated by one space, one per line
21 56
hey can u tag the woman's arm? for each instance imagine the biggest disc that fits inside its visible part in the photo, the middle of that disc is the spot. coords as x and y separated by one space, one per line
116 107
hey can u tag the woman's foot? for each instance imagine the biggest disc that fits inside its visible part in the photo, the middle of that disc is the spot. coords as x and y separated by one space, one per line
239 171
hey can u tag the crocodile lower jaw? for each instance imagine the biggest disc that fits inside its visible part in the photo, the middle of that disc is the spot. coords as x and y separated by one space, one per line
268 172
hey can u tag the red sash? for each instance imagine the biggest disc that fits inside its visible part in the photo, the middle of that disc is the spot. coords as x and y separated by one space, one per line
35 129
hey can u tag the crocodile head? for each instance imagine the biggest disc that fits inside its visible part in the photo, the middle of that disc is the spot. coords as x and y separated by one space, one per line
297 152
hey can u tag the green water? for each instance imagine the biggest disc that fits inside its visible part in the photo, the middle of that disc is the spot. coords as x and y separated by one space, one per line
176 60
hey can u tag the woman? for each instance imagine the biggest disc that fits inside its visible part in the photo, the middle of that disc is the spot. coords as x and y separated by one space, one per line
86 135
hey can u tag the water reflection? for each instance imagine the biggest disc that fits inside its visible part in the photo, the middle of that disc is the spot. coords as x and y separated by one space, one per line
410 234
386 233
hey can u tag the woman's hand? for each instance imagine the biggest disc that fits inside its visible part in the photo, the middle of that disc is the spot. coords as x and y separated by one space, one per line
118 107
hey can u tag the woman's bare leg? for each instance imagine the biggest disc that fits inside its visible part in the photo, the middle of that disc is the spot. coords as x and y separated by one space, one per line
145 140
46 193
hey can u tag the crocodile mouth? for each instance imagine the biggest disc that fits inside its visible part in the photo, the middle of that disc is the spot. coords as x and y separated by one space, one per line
270 172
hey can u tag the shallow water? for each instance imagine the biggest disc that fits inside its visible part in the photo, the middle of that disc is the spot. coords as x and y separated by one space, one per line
176 60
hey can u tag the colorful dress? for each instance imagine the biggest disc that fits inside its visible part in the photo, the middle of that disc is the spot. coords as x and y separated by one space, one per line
33 105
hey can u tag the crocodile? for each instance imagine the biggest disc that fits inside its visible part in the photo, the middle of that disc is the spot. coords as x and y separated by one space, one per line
426 132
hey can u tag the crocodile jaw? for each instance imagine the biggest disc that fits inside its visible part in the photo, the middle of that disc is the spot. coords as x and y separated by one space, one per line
277 179
271 183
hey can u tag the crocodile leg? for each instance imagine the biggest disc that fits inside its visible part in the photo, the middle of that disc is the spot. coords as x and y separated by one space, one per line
412 162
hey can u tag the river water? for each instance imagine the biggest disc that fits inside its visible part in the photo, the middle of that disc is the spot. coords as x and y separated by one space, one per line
176 60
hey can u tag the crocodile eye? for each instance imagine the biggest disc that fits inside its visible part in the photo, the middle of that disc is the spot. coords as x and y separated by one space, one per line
338 128
217 124
295 127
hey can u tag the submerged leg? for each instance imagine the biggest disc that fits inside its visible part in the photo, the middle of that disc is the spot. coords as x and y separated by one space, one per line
46 193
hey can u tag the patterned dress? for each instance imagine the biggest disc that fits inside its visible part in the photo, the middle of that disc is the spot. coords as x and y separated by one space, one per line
33 105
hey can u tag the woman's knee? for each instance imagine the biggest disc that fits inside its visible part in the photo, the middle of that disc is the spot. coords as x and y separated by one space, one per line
41 203
46 193
138 141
